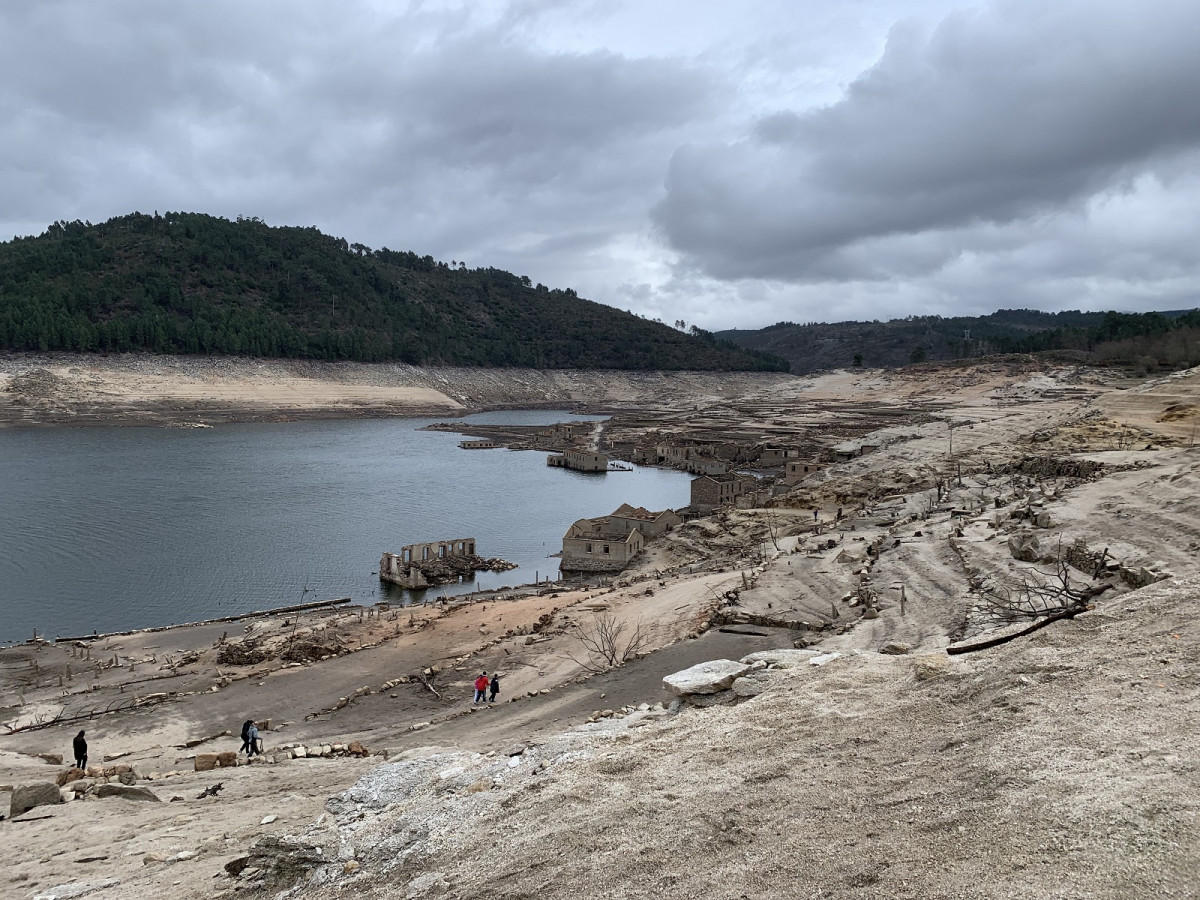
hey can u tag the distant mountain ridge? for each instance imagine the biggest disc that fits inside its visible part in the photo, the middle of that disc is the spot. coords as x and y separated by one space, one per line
1152 340
197 284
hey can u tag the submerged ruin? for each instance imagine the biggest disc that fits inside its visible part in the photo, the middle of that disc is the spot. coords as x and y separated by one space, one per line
419 566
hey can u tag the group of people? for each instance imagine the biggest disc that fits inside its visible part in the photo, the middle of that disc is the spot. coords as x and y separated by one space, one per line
250 742
484 685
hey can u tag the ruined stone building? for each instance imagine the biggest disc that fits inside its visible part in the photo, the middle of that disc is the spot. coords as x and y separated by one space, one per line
404 568
713 491
701 465
797 470
777 456
579 460
610 543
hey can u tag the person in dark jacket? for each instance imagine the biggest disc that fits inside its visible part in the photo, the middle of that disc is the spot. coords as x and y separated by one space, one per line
494 687
252 740
246 726
80 751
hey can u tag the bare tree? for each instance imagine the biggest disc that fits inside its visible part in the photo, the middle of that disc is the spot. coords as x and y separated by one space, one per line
606 643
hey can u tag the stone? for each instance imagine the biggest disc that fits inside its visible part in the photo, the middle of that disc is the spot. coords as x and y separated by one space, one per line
751 685
705 678
205 761
1024 546
355 748
127 778
780 659
895 648
933 665
71 774
227 759
268 820
28 796
181 856
55 759
76 889
126 792
870 613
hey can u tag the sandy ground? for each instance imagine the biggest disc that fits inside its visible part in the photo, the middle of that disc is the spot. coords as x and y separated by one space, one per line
1062 764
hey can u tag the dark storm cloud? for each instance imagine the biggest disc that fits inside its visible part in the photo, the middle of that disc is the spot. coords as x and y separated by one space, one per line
428 129
1005 115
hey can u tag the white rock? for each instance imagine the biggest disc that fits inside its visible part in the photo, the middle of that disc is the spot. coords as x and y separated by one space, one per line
781 659
825 658
76 889
705 678
268 820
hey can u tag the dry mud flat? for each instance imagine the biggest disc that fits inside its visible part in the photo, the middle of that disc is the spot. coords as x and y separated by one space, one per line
137 389
1062 764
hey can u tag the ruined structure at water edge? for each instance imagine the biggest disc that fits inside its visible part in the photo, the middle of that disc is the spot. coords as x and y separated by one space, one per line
419 566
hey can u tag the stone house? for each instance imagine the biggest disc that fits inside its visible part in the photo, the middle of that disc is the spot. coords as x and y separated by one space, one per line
777 456
610 543
797 470
580 461
713 491
701 465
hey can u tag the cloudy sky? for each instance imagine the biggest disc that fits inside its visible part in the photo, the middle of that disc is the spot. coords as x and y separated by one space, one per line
728 164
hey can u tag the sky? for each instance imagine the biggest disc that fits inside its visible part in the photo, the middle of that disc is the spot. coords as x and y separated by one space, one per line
728 165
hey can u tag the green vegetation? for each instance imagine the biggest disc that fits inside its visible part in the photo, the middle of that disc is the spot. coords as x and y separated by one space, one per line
1149 342
196 284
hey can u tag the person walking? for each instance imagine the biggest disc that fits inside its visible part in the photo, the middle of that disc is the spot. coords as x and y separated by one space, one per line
494 687
481 686
252 740
246 726
80 745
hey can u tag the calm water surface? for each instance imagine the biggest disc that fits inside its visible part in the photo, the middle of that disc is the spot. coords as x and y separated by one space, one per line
116 528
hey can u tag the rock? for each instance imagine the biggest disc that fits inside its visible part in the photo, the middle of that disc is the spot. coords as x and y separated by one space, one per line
55 759
430 885
181 856
71 774
27 796
235 867
1023 545
126 792
1043 520
127 778
932 665
268 820
705 678
284 858
205 761
751 685
152 858
895 648
227 759
870 613
354 748
515 750
780 659
76 889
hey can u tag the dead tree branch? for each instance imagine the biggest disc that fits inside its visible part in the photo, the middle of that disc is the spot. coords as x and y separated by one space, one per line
605 644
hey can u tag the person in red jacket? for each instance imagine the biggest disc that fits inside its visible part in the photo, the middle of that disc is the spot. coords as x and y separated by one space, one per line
481 686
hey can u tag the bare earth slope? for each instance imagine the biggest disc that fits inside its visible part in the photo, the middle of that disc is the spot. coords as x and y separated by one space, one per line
1063 764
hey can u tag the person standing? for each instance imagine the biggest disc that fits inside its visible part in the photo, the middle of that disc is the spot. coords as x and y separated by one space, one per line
481 686
494 687
80 745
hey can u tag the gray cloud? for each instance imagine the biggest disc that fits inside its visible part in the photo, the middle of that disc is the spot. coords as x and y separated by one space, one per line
1015 111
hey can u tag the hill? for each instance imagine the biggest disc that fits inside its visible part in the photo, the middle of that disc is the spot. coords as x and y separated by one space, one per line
196 284
1151 341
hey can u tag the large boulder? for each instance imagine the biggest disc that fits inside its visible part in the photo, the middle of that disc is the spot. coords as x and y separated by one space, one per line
27 796
227 759
1024 546
205 762
126 792
705 678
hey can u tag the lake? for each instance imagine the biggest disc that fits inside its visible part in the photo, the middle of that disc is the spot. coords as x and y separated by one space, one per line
116 528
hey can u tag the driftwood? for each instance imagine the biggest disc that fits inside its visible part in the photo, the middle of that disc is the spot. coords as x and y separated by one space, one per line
425 681
211 791
1005 638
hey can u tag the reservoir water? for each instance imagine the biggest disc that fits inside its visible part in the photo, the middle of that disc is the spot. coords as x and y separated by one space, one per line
116 528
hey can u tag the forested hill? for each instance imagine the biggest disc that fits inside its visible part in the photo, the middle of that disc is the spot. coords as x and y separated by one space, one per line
196 284
1149 341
